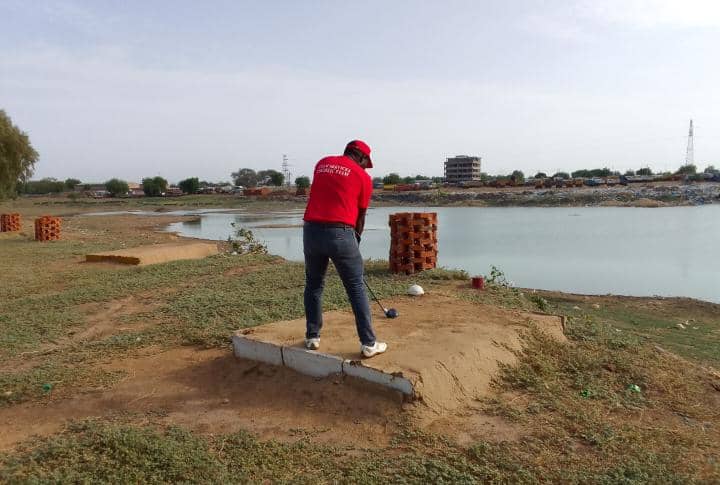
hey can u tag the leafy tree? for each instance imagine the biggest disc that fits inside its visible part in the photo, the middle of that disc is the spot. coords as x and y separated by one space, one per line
710 169
391 179
247 177
421 177
687 170
408 180
302 182
17 156
629 173
71 183
563 175
540 175
484 177
154 186
277 178
190 185
270 177
518 177
595 172
117 187
40 187
644 171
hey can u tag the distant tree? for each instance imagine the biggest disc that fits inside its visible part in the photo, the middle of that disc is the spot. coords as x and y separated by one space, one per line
189 185
154 186
377 180
644 171
437 180
117 187
687 170
484 177
421 177
518 177
540 175
562 175
595 172
17 156
71 183
629 173
710 169
41 187
602 172
302 182
391 179
277 179
270 177
247 177
408 180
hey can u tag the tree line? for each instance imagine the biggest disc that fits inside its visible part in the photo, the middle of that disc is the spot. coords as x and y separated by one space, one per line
18 159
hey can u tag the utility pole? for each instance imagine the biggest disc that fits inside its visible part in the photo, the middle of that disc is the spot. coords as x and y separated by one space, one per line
690 154
286 170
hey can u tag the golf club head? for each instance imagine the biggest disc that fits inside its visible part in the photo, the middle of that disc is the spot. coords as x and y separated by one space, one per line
391 313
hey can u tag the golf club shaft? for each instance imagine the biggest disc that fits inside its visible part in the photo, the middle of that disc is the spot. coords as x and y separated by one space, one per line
373 295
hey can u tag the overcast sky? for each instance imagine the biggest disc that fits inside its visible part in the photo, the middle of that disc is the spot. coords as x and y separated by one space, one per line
186 88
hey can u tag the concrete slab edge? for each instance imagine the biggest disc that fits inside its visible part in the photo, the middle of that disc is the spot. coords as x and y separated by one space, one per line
356 369
311 363
316 364
246 348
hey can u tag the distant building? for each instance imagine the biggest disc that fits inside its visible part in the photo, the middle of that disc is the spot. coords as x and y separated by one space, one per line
462 168
135 190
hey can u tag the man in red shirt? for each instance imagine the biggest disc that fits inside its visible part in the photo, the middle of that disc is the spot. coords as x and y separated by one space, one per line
334 221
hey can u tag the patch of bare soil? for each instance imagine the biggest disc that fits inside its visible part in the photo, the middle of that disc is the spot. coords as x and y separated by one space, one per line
241 270
211 392
103 319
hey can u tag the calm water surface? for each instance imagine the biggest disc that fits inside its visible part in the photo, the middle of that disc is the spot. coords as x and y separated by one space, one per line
596 250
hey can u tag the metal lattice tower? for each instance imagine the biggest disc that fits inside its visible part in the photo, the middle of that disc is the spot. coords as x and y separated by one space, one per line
690 155
286 170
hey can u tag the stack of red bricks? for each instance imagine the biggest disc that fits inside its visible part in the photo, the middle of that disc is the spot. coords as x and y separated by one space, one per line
9 222
47 228
413 242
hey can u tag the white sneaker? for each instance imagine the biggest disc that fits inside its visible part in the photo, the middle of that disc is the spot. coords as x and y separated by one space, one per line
371 350
312 343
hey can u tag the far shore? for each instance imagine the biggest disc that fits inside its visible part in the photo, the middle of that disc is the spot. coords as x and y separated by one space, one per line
645 195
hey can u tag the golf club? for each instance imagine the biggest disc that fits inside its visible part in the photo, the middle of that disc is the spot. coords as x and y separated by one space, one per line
389 312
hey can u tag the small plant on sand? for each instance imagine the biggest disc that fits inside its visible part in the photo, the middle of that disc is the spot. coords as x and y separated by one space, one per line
244 242
540 302
497 277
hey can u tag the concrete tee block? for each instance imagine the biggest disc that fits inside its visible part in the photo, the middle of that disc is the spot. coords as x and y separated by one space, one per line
356 369
253 350
311 363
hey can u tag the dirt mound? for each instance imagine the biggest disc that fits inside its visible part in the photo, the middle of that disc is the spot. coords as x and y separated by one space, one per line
154 254
447 349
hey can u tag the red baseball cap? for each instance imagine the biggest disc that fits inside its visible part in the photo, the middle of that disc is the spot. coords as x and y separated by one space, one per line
363 148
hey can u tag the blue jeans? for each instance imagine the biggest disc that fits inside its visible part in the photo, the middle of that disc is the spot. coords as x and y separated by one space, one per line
321 244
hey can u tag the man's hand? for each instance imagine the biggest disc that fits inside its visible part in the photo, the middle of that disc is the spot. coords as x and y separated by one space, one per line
360 224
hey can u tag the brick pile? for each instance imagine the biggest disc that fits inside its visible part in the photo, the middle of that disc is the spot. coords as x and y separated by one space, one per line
47 228
413 242
9 222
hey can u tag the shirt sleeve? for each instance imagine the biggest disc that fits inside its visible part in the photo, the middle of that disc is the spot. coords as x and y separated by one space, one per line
365 193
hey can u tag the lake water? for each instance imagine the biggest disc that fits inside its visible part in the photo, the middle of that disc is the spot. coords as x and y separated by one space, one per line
595 250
